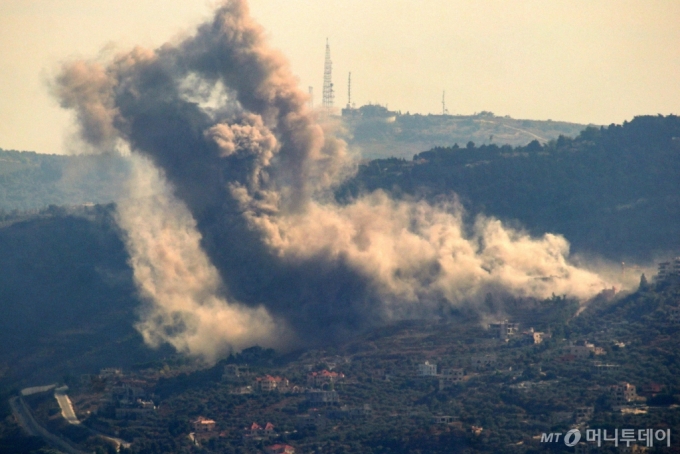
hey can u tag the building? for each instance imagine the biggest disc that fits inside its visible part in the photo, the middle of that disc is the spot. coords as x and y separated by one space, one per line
583 414
141 409
280 449
203 425
536 337
232 371
427 370
669 271
127 394
622 394
110 372
450 377
242 390
503 330
255 430
581 350
269 383
324 377
478 362
444 419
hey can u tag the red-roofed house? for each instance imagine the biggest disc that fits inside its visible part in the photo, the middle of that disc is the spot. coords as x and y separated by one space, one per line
324 377
269 383
280 449
203 425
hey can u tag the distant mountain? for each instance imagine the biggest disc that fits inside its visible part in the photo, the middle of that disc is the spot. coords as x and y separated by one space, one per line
32 181
380 133
611 191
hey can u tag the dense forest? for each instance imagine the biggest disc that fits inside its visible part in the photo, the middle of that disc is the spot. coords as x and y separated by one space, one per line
613 191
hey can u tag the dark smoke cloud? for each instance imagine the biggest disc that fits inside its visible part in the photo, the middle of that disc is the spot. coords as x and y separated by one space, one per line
236 240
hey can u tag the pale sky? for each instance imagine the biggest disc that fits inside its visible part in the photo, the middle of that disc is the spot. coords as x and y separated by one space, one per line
586 61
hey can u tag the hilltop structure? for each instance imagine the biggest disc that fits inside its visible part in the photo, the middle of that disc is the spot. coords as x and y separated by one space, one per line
669 271
328 92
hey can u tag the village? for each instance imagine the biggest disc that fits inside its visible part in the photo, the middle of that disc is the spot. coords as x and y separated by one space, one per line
463 381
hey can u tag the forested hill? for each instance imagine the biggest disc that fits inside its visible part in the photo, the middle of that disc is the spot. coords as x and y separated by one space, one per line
614 191
31 181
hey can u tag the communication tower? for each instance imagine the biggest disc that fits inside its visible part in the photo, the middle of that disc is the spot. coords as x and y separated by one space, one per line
444 110
328 94
349 91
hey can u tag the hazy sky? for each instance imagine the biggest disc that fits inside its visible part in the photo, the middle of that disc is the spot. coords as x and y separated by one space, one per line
588 61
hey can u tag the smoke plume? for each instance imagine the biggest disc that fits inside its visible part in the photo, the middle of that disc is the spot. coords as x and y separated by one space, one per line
241 241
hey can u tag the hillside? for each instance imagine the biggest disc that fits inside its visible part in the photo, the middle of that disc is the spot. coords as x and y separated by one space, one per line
613 191
379 133
32 181
482 394
66 295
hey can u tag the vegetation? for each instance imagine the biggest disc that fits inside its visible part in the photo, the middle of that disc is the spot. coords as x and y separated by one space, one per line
612 191
32 181
380 133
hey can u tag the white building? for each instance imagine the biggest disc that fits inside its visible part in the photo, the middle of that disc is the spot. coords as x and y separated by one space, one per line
427 370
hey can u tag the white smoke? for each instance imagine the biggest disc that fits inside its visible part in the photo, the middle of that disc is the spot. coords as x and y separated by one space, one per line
183 291
269 165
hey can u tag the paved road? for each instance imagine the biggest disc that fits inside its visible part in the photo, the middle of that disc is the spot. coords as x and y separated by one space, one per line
26 420
66 407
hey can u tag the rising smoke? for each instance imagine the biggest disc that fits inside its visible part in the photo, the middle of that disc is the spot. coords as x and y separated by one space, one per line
233 234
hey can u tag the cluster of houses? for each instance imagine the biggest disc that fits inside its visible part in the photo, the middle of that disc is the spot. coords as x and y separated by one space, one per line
447 377
205 428
124 397
504 330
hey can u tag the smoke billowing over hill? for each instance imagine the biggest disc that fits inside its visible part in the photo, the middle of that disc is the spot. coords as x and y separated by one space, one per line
232 230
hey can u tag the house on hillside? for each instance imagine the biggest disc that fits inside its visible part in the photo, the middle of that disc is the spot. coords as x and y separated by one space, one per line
622 394
269 383
450 377
504 329
232 371
324 377
427 370
669 272
280 449
478 362
536 337
583 414
203 425
583 349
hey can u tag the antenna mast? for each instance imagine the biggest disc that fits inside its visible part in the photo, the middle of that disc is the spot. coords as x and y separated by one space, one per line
444 111
349 91
328 94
